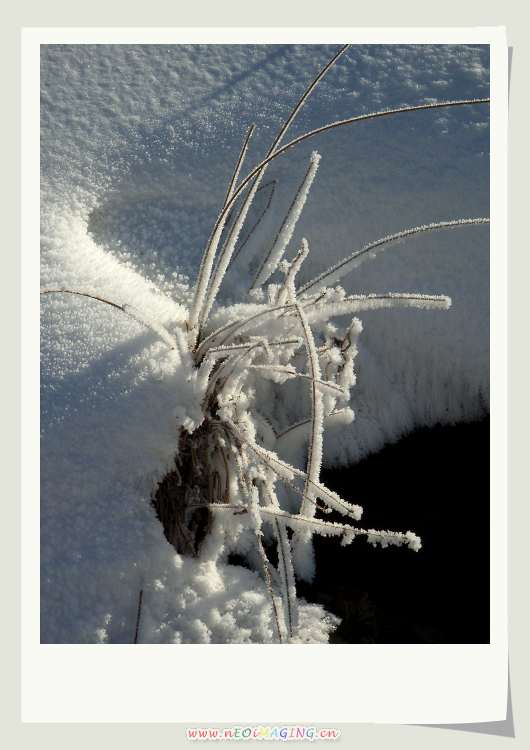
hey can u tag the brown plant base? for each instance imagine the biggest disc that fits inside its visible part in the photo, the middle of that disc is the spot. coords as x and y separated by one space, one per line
199 478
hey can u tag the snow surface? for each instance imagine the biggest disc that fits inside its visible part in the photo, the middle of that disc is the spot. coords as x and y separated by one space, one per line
137 146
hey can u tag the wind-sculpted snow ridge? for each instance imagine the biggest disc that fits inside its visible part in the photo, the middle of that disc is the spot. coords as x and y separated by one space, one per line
189 427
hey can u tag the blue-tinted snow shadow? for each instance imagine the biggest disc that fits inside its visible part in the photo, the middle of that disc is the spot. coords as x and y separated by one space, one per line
91 384
274 52
169 177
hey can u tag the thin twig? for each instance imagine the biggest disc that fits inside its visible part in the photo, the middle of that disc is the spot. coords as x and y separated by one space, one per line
340 268
285 566
303 423
292 373
251 231
240 159
331 126
236 326
227 252
286 228
208 257
314 455
138 615
247 489
129 310
271 460
287 124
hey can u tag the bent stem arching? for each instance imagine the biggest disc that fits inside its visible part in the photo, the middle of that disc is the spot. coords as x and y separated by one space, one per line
258 170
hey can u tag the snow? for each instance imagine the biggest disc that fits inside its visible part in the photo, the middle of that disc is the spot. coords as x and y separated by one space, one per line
138 144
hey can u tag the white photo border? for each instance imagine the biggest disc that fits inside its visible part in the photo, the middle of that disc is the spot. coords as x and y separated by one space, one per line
319 683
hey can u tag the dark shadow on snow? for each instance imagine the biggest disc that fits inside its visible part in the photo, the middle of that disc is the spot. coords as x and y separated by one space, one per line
434 482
